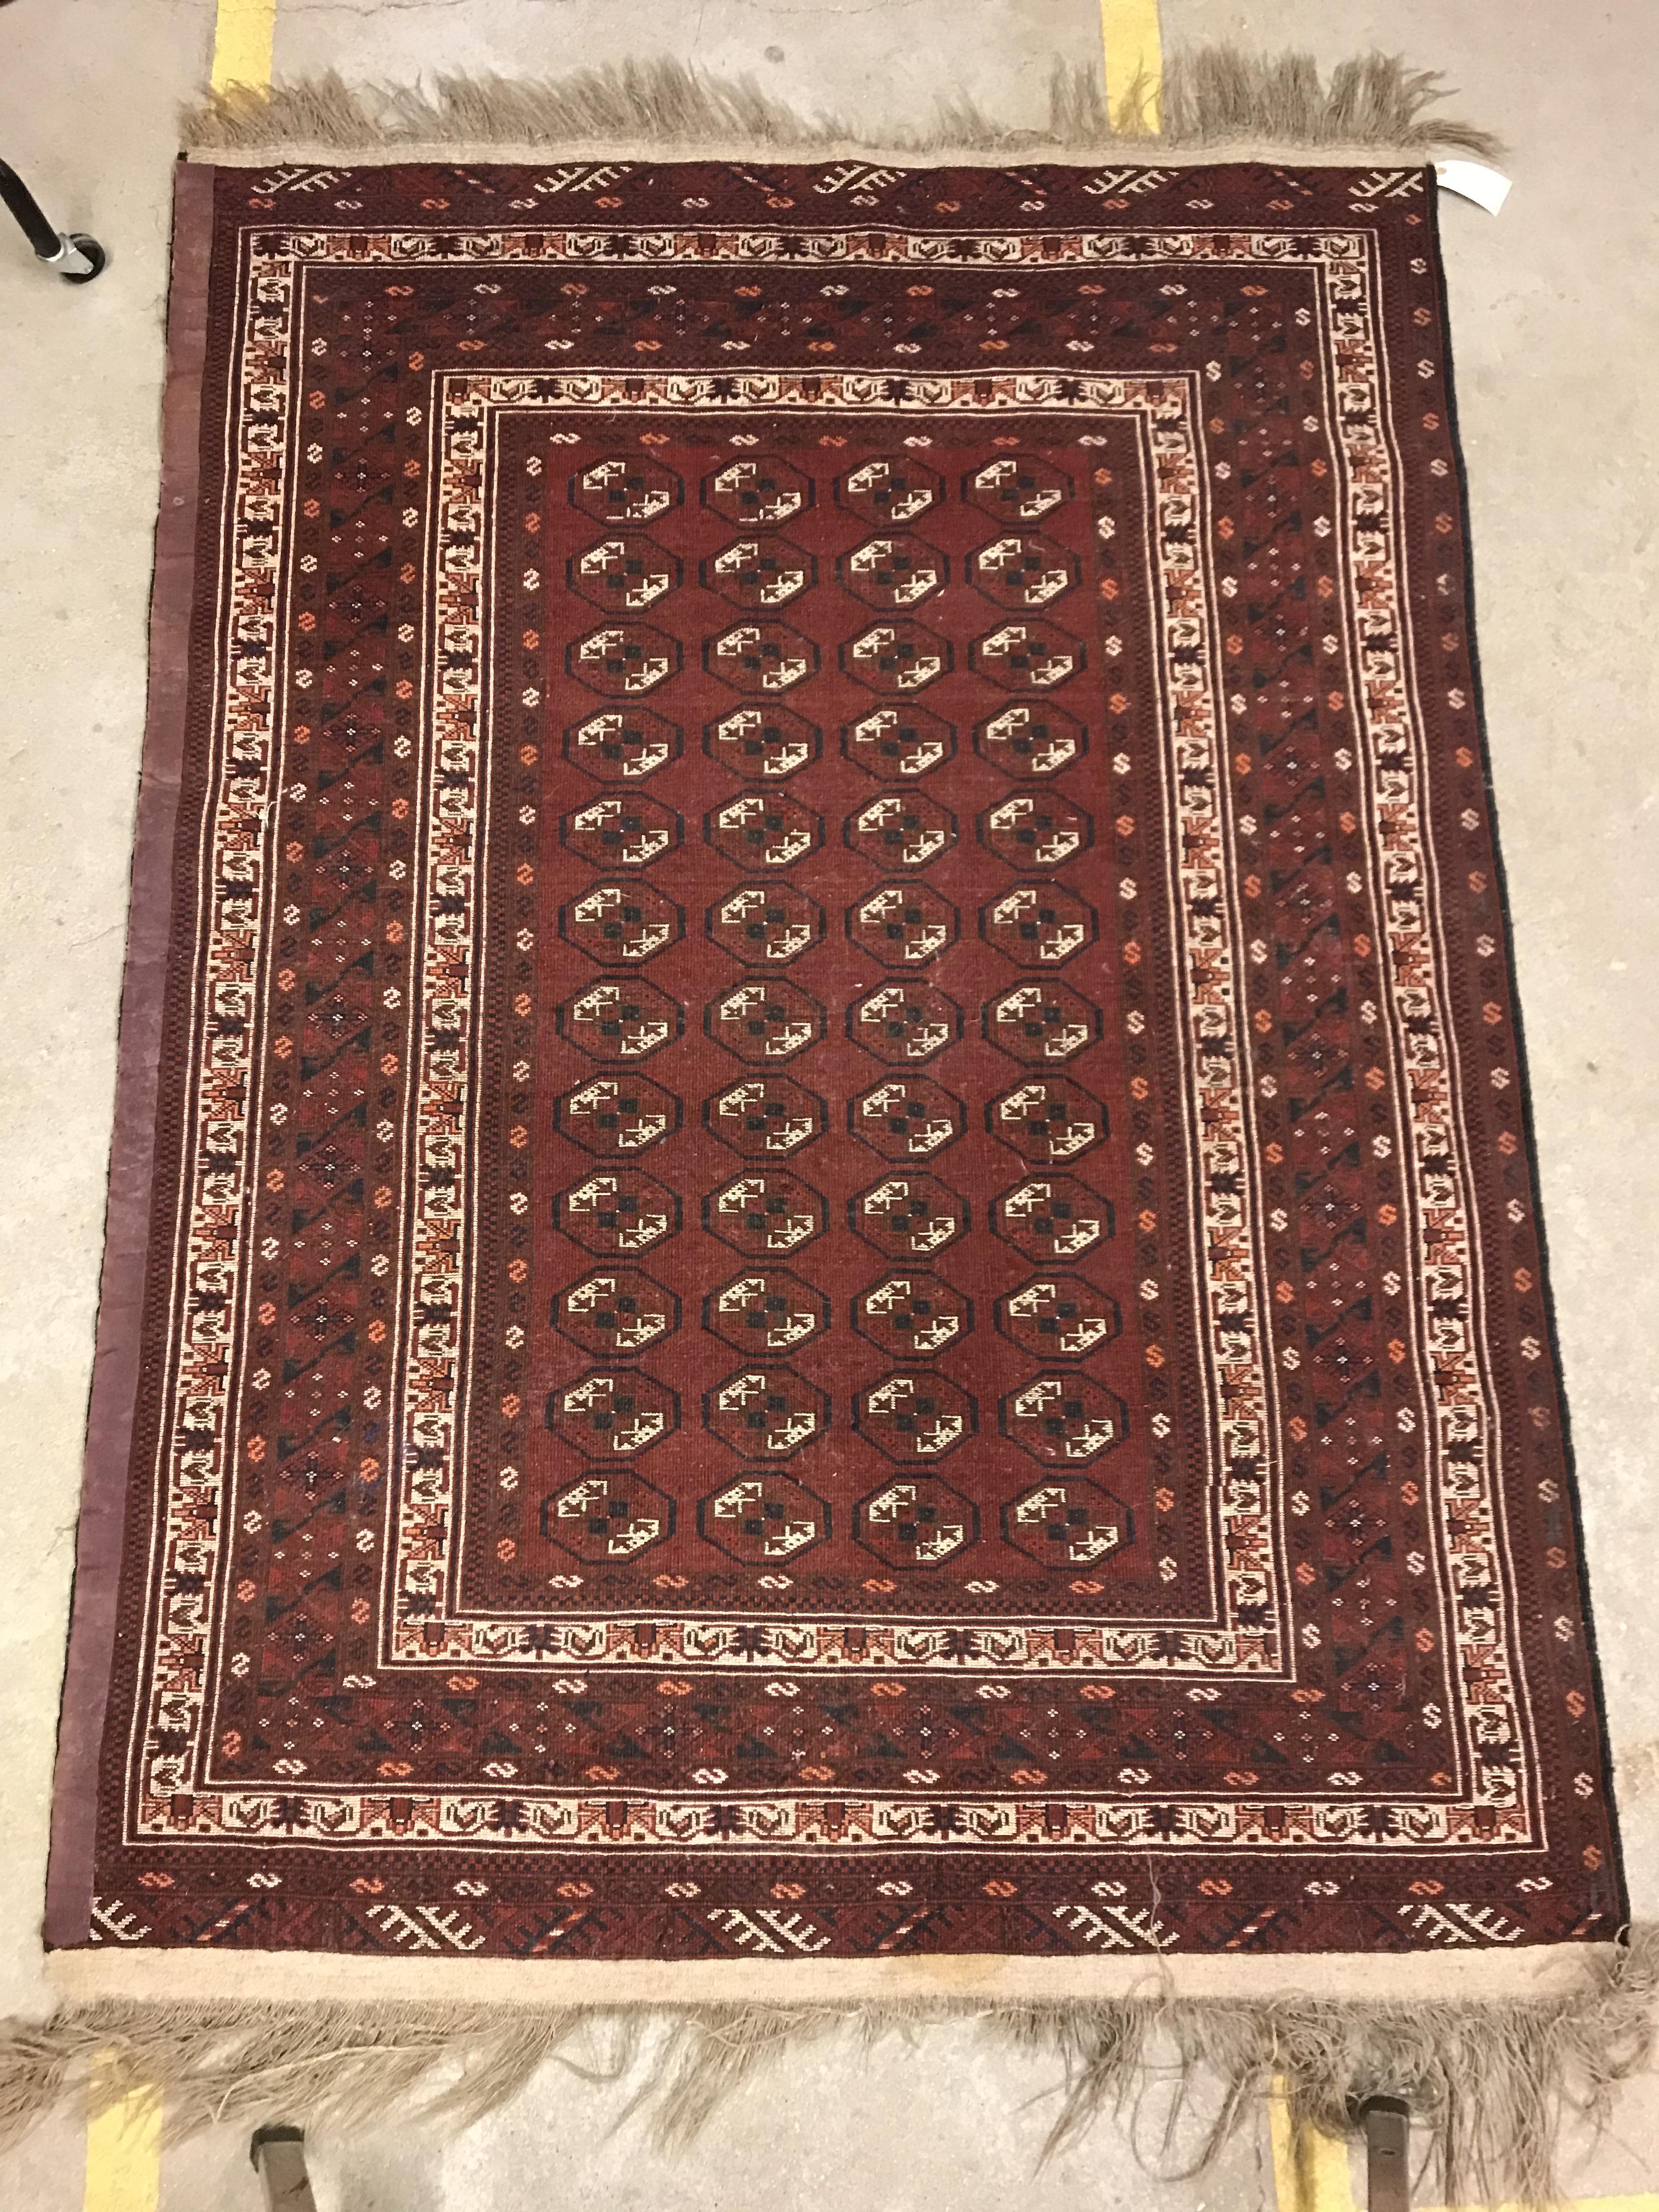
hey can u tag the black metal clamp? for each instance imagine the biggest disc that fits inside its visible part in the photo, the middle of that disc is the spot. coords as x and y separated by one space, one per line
76 258
1387 2124
279 2159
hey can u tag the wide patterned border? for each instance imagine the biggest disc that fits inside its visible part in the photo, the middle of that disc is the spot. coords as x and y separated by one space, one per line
1456 1398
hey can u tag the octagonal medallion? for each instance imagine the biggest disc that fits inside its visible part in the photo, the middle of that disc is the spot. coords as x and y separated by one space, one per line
763 1518
909 1217
761 657
762 830
893 572
904 1022
1063 1419
1052 1218
626 488
757 491
616 1116
611 1513
1029 655
618 831
897 657
765 1117
1039 739
620 921
1068 1523
615 1312
766 1212
1047 1120
625 574
1016 488
765 924
614 1410
915 1521
1042 1022
1038 925
907 1117
621 1017
913 1314
766 1312
766 1413
623 660
1023 570
922 1416
764 743
760 574
898 741
903 925
891 488
1036 830
901 829
1058 1317
623 744
618 1210
764 1019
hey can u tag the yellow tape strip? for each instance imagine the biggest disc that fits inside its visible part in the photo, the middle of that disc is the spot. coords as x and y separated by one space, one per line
1313 2174
242 40
1134 50
123 2155
1310 2171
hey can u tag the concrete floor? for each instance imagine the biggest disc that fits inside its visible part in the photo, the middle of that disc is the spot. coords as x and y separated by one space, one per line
1552 303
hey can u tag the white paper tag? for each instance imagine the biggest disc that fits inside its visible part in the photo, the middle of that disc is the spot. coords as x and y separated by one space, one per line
1474 180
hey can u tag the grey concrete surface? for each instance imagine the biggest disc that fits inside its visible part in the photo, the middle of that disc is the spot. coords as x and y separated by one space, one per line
1556 317
877 62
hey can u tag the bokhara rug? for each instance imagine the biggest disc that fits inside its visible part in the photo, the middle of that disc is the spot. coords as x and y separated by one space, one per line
823 1244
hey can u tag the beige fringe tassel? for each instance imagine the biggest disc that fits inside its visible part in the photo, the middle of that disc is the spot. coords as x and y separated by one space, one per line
1491 2081
1212 97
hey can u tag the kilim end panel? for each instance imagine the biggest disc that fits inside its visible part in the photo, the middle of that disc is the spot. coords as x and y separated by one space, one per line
824 1236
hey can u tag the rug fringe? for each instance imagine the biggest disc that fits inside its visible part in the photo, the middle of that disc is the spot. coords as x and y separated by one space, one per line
1491 2081
1211 97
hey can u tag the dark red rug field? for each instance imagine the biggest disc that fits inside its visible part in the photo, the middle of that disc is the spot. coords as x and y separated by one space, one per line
823 1239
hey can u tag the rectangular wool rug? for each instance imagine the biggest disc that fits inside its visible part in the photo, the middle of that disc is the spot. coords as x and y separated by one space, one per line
823 1277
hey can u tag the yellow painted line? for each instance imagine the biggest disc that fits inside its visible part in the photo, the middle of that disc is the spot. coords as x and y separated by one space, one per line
242 39
123 2155
1312 2174
1310 2171
1134 54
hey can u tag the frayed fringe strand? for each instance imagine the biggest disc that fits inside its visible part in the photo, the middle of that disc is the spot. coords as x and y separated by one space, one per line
1491 2081
348 2065
1214 96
